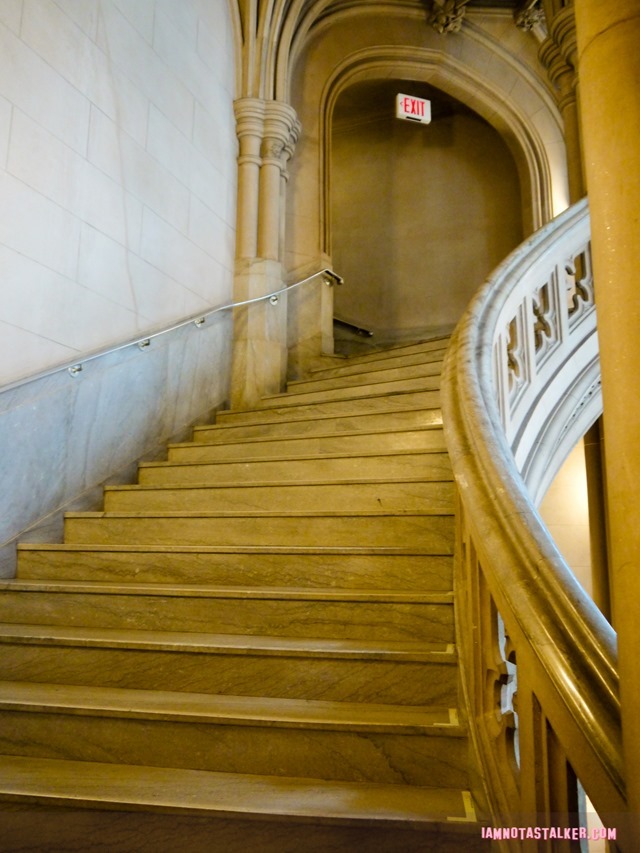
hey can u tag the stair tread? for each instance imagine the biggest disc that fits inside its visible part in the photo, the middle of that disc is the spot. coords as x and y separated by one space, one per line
239 644
383 373
349 368
379 550
225 709
317 417
276 400
384 353
310 456
260 514
230 794
215 591
356 481
269 439
353 392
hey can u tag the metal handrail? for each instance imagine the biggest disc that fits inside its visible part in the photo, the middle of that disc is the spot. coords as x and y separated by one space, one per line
76 366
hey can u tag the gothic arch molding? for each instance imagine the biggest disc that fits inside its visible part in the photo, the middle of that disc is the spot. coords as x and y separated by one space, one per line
447 74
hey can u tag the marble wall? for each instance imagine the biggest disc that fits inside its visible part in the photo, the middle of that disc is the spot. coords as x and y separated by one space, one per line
62 435
117 218
117 171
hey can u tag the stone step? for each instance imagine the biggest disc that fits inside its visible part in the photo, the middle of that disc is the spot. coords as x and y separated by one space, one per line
371 389
314 469
362 568
300 409
422 530
287 612
350 368
421 347
408 673
416 419
154 809
346 443
286 497
411 745
383 372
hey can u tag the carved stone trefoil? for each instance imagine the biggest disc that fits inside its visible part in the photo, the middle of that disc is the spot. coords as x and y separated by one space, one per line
446 16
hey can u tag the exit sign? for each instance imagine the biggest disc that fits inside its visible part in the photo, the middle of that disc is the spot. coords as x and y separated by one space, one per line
413 109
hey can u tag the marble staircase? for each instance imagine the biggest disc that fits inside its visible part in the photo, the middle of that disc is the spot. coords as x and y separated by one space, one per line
254 645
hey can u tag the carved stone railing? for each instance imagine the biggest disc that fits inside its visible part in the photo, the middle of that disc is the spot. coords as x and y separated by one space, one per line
538 660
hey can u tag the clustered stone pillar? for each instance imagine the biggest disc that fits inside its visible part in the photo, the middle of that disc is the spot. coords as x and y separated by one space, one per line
609 67
267 133
559 54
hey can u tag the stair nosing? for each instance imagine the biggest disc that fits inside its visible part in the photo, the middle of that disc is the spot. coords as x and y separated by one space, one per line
256 514
228 710
309 458
319 417
265 402
241 593
427 428
360 377
367 366
289 484
232 795
382 395
296 550
241 645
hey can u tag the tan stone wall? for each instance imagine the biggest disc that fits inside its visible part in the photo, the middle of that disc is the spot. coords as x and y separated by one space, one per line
420 215
490 66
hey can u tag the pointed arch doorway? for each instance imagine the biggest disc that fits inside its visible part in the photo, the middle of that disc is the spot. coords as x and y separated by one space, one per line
419 214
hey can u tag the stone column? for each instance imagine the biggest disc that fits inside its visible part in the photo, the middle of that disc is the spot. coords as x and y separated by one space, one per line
609 68
249 114
267 131
559 54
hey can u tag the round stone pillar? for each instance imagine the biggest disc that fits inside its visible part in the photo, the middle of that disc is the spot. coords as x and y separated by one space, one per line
609 69
267 131
249 114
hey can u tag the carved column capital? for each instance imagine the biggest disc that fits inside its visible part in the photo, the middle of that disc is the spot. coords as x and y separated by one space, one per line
249 113
281 132
529 15
446 16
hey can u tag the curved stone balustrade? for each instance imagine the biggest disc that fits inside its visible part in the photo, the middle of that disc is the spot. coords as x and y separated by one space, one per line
521 386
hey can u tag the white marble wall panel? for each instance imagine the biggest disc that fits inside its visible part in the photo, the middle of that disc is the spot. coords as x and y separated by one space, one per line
103 268
139 14
71 181
209 231
128 50
128 163
79 314
178 48
5 129
170 251
10 14
117 169
33 349
32 85
117 218
61 436
40 230
84 13
84 65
